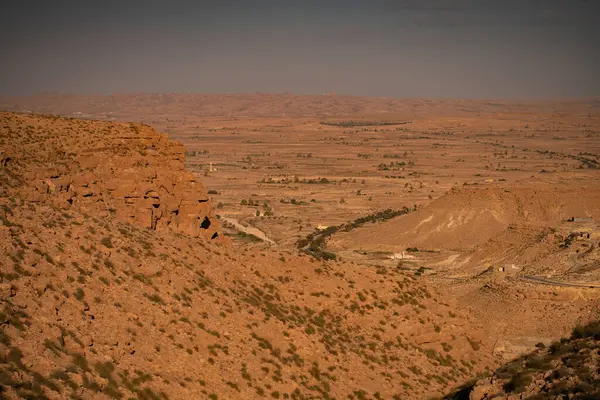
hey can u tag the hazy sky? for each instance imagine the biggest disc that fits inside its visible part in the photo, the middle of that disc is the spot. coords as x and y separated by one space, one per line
393 48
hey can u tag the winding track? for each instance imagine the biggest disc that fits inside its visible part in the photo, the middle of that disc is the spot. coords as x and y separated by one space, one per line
548 281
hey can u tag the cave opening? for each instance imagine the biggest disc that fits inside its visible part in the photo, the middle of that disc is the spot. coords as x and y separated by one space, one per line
205 223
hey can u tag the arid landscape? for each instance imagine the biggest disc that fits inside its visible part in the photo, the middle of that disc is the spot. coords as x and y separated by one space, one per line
182 246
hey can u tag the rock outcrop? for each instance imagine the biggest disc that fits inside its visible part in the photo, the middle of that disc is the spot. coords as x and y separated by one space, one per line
569 368
127 172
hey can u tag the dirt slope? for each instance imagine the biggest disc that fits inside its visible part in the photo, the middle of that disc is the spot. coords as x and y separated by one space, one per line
102 297
465 218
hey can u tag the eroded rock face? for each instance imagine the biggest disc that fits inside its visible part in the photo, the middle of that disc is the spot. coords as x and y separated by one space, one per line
127 172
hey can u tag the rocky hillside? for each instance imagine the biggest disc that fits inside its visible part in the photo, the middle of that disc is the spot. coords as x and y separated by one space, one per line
111 287
122 172
566 369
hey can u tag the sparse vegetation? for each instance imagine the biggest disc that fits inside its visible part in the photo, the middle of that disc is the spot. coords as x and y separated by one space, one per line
314 243
351 123
109 268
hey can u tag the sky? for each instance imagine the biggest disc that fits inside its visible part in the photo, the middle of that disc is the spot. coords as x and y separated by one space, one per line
525 49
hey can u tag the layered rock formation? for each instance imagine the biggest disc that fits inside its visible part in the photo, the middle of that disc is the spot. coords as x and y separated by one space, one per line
126 172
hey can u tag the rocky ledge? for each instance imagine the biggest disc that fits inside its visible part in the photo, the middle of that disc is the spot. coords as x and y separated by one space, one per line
127 172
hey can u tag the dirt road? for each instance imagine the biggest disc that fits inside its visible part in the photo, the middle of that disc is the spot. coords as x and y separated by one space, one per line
248 229
548 281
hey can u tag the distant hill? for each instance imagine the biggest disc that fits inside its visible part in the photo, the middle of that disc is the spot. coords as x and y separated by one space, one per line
144 107
468 218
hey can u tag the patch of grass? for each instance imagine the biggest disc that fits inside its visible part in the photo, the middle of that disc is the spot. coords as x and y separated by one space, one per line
586 331
79 294
107 242
155 298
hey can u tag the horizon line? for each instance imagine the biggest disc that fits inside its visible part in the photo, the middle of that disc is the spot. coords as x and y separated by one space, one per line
325 94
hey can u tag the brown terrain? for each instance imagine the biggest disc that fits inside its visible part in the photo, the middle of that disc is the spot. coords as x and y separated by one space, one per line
296 246
566 369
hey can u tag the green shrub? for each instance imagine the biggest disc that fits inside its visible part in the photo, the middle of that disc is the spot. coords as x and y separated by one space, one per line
584 331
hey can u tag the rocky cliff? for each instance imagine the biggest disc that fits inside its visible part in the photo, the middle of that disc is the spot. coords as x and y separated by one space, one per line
126 172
